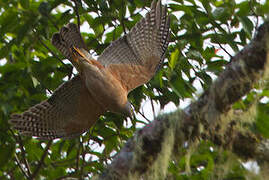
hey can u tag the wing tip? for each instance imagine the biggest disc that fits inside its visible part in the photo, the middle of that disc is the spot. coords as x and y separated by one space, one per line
14 119
56 39
153 4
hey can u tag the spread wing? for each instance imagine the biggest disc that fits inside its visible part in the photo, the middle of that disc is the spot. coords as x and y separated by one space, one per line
69 112
135 57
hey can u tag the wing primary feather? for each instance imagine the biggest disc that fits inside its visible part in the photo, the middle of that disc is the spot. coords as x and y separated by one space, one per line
70 111
142 50
133 58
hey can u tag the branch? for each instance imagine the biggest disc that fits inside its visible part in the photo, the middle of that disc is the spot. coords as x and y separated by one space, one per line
77 2
19 140
238 78
262 151
141 152
122 19
224 49
233 138
20 166
41 162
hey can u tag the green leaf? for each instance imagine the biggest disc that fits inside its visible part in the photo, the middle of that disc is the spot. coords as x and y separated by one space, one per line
263 120
185 9
24 4
244 8
6 153
263 8
44 8
198 28
173 59
216 66
205 77
180 87
35 81
247 25
221 13
8 21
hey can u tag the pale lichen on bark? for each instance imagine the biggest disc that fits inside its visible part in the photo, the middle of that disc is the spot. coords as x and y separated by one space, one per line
141 152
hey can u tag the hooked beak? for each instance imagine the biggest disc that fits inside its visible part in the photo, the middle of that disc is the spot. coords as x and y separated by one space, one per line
79 57
77 52
76 56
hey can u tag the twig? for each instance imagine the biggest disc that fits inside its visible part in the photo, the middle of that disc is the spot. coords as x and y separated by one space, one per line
24 157
77 13
62 162
78 154
9 173
257 17
19 140
153 109
222 46
83 160
20 166
59 59
232 84
114 32
144 116
40 40
66 176
53 23
123 26
122 19
41 160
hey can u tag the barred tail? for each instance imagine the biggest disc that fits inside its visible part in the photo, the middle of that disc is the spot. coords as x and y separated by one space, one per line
67 38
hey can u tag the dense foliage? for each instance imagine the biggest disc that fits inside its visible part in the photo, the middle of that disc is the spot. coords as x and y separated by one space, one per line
204 35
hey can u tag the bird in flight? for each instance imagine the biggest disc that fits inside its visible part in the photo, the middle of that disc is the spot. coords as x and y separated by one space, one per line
101 85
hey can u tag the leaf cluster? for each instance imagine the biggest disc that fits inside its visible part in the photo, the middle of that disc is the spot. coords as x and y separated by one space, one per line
204 35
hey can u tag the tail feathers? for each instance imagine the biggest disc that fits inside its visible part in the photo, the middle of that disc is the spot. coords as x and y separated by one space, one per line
67 38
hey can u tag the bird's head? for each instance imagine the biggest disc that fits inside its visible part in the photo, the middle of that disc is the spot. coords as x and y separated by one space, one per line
128 110
80 57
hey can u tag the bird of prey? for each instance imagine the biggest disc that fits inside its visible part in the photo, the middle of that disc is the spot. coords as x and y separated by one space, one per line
101 85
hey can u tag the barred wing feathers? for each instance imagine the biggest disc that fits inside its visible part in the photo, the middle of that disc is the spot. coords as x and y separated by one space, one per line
69 112
135 57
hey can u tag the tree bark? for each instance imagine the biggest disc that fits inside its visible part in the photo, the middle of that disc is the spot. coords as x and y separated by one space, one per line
238 78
